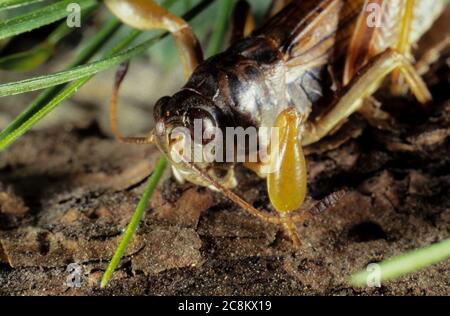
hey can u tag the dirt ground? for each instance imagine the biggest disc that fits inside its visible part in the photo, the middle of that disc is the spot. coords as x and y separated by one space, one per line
68 190
65 197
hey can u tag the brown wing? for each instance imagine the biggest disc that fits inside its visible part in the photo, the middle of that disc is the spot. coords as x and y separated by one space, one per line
311 32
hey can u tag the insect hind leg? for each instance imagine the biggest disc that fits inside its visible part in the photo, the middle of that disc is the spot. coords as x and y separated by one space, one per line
403 45
371 38
363 85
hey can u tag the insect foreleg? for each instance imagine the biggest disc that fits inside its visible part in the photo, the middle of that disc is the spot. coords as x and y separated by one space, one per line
286 180
290 229
233 196
364 85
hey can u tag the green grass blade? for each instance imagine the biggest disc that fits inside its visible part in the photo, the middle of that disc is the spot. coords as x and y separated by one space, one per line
36 117
63 29
89 69
10 4
138 213
406 263
40 17
13 133
134 223
12 136
88 50
57 78
36 56
25 61
70 90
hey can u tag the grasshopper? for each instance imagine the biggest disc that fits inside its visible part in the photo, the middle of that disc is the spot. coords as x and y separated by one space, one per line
305 71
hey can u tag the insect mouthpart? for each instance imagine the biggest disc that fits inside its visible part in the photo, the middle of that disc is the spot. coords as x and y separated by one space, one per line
186 156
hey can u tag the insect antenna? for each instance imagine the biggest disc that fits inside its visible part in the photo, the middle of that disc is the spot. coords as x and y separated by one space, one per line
120 76
321 206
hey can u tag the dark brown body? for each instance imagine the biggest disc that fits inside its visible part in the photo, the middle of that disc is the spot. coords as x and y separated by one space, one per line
259 76
284 63
295 60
